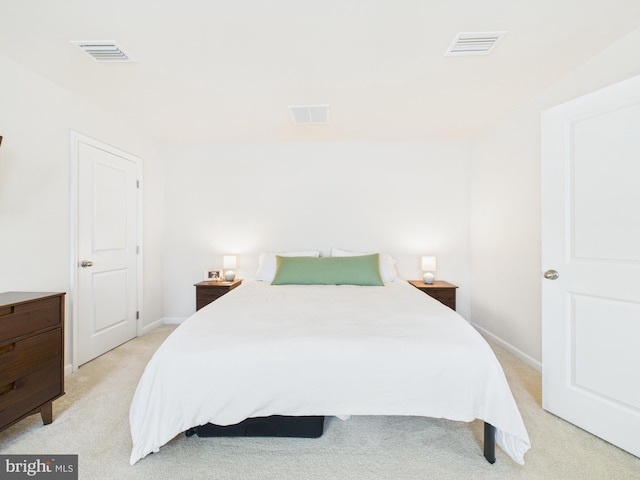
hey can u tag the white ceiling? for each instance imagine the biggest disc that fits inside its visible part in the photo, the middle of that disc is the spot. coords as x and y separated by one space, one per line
226 70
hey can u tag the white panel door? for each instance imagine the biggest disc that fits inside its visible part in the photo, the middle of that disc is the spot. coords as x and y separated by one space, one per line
106 251
591 238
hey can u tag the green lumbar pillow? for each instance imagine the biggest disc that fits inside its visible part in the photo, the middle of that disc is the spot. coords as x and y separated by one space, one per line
361 270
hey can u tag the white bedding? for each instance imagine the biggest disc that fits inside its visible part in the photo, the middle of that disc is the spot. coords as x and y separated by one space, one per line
344 350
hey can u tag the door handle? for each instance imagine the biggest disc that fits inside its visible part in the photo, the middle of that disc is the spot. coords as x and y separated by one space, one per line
86 263
551 274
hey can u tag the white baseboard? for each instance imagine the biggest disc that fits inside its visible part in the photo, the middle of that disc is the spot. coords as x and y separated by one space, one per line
68 369
532 362
151 326
174 320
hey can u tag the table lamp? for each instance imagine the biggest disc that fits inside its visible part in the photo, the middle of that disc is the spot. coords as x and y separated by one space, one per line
229 264
429 266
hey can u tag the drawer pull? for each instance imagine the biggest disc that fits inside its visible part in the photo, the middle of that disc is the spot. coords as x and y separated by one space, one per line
7 348
7 311
7 388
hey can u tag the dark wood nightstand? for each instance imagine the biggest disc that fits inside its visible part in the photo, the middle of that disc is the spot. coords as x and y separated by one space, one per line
442 291
207 292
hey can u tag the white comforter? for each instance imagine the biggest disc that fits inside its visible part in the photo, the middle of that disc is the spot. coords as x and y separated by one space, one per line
322 350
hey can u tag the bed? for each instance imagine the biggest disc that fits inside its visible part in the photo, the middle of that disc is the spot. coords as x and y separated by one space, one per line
333 350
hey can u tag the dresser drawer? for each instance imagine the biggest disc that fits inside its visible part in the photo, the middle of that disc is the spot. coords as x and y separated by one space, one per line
442 291
19 359
28 393
443 296
22 319
204 296
207 291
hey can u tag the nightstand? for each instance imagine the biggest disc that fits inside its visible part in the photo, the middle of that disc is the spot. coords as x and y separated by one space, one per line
207 292
442 291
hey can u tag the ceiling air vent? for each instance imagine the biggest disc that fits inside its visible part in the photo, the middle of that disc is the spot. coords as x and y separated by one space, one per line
474 43
103 51
309 114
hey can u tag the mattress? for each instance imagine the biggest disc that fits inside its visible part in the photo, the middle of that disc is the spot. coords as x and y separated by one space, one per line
320 350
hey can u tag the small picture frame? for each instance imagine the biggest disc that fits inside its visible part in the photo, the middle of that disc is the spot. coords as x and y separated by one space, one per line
213 275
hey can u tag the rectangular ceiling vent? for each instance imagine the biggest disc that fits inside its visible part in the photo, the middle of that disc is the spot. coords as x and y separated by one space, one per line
103 51
474 43
309 114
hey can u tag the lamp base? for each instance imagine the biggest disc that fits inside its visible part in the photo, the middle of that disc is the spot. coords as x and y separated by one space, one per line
428 278
229 275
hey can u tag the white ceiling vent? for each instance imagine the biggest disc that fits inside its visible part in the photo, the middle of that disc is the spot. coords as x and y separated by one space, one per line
474 43
309 114
103 50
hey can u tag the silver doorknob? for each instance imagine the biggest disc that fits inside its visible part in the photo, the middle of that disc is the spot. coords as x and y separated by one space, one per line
551 274
86 263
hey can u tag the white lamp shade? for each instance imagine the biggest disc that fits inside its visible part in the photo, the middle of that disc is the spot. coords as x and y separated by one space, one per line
429 264
229 261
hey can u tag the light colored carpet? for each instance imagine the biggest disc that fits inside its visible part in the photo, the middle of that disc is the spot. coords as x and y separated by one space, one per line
91 420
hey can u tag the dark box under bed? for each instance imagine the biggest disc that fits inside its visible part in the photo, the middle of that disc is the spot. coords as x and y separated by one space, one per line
273 426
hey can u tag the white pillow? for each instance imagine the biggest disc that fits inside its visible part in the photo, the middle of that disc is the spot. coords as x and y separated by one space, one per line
267 263
387 263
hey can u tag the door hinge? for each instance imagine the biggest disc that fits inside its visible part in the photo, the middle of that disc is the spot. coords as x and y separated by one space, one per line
137 249
137 183
137 315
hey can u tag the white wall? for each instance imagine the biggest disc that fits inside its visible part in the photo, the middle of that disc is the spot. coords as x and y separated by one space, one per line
244 199
36 118
408 199
505 206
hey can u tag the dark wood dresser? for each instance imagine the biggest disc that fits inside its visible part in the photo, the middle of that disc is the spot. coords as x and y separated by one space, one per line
31 355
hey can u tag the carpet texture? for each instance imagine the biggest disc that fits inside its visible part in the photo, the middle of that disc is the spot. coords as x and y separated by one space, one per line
91 420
